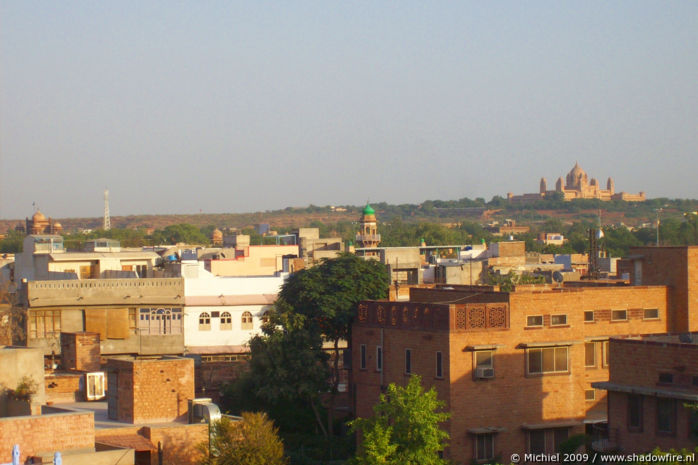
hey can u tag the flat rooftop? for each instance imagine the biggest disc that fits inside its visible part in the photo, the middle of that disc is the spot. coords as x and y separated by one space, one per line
684 339
102 420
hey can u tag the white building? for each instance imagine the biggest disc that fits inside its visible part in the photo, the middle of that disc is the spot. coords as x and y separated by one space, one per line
222 313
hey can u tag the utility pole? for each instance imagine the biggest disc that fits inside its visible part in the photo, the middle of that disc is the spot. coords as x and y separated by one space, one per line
107 220
659 210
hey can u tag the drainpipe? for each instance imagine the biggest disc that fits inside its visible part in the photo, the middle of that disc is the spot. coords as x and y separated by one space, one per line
382 359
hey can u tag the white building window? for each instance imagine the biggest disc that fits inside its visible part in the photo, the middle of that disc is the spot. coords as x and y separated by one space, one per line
246 320
226 321
204 322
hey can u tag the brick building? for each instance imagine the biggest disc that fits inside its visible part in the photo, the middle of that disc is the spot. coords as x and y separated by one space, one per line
675 267
149 390
514 368
651 378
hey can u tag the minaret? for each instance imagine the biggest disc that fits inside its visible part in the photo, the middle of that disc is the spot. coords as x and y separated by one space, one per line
107 220
610 186
368 236
543 186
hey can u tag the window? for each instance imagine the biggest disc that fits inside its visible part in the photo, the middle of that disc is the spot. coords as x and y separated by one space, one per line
590 394
204 322
246 320
588 316
484 446
619 315
362 350
226 321
651 314
536 441
142 271
666 378
159 321
634 412
483 358
558 320
560 435
666 416
693 424
379 358
439 365
547 360
547 440
590 354
408 361
265 317
132 321
483 362
606 348
534 321
45 324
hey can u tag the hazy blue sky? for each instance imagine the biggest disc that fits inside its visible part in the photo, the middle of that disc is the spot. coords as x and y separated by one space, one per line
178 107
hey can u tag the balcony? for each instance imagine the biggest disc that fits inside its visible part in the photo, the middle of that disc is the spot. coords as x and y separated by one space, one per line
368 238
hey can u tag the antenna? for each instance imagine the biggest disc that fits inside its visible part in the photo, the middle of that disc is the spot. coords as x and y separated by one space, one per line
107 220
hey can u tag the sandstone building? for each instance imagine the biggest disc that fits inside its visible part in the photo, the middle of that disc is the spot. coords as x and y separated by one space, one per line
578 186
516 369
651 378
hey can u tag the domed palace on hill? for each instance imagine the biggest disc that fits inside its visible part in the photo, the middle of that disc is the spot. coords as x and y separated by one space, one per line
578 186
39 224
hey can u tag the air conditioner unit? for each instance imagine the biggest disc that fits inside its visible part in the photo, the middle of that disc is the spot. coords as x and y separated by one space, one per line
94 385
484 373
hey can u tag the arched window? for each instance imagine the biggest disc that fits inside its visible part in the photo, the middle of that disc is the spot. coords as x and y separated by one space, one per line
226 321
204 322
246 320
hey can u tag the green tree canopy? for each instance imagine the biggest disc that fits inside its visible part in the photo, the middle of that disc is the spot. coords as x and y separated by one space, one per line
175 233
328 294
404 429
287 364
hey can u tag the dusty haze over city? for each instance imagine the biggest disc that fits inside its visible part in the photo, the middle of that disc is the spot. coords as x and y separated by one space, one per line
246 106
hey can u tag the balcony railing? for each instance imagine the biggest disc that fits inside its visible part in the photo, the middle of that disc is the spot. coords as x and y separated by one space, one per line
368 238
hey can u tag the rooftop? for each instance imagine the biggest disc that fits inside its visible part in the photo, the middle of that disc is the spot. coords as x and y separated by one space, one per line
99 409
681 339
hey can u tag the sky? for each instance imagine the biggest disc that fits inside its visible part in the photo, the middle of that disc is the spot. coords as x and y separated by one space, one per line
217 107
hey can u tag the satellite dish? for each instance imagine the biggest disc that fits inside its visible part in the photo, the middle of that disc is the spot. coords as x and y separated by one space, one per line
599 234
557 277
686 338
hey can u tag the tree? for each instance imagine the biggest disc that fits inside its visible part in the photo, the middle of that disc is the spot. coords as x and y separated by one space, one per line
404 429
177 233
12 242
327 295
252 441
507 282
287 365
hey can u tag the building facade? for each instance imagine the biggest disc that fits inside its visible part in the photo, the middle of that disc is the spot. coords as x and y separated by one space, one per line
515 369
222 313
651 381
